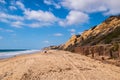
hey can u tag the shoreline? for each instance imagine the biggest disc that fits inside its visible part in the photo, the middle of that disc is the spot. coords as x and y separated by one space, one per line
19 53
19 56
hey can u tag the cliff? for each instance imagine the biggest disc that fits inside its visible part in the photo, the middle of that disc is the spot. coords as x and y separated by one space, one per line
105 33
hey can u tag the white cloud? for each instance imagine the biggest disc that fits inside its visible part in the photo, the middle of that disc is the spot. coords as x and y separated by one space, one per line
38 24
74 18
90 6
4 20
113 7
34 25
51 2
84 5
72 31
46 41
10 17
17 24
58 34
35 19
13 20
2 1
1 37
48 2
12 8
80 32
6 30
21 5
40 18
40 15
57 6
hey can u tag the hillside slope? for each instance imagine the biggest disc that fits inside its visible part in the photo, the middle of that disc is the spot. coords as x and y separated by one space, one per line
104 33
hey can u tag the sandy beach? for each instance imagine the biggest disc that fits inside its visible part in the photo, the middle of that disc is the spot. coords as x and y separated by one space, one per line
56 65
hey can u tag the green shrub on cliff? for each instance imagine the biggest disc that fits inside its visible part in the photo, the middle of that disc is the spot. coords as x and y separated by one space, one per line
112 35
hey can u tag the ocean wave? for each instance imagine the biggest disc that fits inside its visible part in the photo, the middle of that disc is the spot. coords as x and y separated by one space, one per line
14 53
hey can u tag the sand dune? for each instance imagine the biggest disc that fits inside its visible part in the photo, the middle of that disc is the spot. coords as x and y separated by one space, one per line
56 65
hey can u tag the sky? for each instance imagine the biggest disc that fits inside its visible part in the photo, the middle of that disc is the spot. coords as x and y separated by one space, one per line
34 24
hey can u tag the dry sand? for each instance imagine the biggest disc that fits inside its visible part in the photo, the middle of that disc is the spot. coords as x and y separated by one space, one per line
56 65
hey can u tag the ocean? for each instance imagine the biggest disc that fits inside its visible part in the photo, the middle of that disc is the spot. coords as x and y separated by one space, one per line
7 53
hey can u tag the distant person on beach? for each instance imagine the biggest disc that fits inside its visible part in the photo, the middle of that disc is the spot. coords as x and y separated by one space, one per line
45 51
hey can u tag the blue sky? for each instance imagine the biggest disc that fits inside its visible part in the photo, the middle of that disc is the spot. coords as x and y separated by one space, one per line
33 24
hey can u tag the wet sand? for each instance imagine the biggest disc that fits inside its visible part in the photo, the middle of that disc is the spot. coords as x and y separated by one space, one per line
56 65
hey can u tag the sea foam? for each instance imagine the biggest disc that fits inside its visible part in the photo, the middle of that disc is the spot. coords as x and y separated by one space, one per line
15 53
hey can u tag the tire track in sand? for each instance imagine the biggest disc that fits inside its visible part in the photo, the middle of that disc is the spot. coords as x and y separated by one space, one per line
79 76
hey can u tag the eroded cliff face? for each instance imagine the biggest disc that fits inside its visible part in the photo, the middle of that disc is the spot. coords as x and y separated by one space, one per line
105 33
